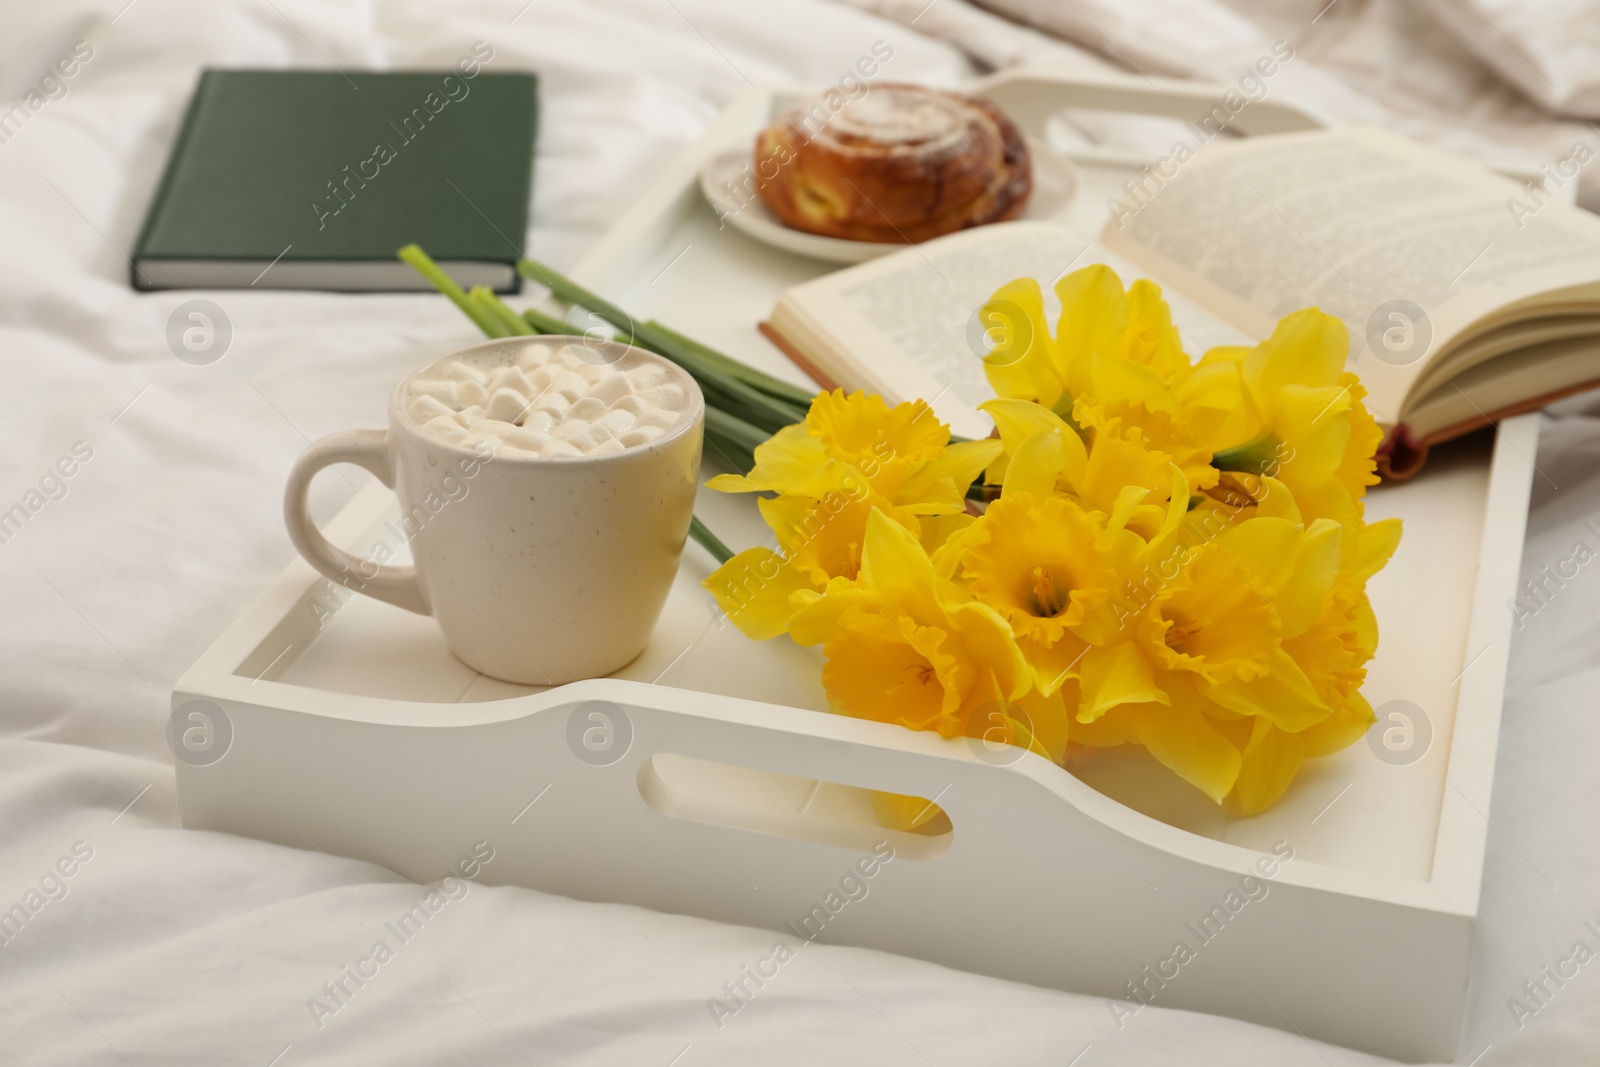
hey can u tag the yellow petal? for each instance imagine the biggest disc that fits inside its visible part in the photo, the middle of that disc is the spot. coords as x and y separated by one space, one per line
1054 665
1114 464
792 461
754 588
1269 763
1284 695
1049 721
1035 467
890 669
1340 730
1122 380
985 636
816 620
940 487
1313 564
1277 501
1150 338
1130 497
732 483
896 571
1314 420
1114 676
1172 520
1217 389
1307 348
1019 365
822 538
1186 743
1373 548
1266 547
1094 312
1017 421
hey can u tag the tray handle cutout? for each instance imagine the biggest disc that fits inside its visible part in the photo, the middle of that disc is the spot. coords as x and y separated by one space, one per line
783 805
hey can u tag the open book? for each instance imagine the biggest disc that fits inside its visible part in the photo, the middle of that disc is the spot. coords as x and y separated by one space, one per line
1468 297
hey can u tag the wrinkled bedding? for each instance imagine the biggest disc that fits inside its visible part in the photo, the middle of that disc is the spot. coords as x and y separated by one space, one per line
152 493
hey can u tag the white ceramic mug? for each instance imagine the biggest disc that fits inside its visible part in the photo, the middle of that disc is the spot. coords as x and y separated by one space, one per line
539 571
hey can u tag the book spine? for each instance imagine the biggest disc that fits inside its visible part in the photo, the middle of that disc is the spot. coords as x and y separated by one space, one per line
158 203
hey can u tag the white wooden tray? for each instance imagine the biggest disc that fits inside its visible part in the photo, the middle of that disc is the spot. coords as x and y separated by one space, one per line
705 778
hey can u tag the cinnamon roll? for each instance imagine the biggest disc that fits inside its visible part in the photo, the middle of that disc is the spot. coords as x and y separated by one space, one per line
899 165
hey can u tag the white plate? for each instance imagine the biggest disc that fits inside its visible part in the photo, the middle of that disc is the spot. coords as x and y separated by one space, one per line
1055 180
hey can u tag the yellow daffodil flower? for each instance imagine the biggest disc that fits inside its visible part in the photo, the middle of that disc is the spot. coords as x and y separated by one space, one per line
854 454
904 647
1312 431
1049 568
1115 369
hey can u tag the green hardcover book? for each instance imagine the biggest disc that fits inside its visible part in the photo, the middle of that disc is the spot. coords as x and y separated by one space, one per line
313 180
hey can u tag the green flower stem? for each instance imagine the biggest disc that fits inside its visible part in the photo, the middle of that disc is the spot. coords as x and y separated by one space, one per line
441 281
735 430
709 541
513 323
712 370
543 323
756 379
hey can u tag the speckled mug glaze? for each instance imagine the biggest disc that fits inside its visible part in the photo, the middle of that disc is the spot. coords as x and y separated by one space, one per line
539 571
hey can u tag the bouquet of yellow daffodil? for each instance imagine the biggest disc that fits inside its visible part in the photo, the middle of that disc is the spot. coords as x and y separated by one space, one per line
1174 555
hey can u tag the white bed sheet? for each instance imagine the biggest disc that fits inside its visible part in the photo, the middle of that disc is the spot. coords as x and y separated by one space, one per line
171 947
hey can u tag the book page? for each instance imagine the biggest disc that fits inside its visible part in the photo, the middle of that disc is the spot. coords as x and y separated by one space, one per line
907 323
1365 225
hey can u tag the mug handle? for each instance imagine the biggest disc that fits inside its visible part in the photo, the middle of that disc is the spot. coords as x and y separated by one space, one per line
364 448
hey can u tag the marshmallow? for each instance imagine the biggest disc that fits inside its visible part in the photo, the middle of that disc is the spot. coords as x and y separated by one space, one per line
607 447
498 376
630 403
541 377
442 391
666 395
617 420
506 405
473 439
467 416
569 384
515 379
643 435
539 421
463 371
446 429
567 428
587 408
469 394
659 417
588 438
648 374
555 404
532 358
611 388
524 438
493 426
425 407
571 356
558 450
